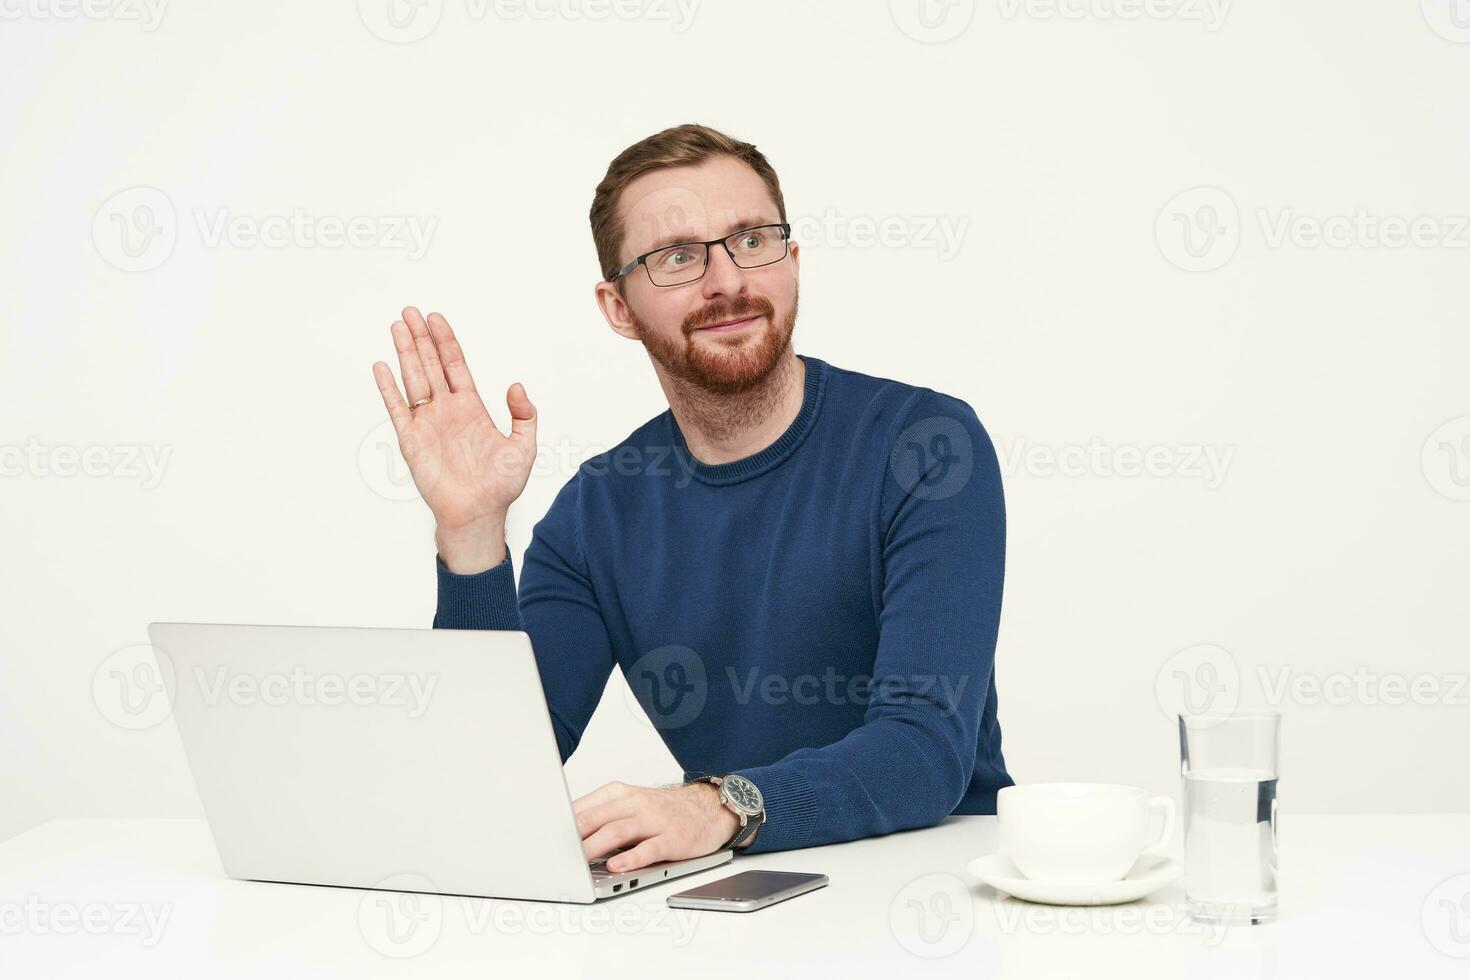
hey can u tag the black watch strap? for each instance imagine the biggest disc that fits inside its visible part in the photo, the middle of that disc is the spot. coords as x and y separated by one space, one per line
752 824
747 829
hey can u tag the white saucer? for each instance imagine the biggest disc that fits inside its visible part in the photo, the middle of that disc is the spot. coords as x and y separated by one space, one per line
1147 876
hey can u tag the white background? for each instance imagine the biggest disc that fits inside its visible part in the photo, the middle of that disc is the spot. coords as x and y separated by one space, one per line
1329 549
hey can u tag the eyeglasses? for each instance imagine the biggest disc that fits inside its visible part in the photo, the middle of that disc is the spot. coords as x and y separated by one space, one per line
749 248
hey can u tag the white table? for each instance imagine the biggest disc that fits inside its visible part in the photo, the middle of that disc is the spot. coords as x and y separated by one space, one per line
1372 896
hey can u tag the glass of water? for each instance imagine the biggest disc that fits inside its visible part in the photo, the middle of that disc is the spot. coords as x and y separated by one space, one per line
1230 765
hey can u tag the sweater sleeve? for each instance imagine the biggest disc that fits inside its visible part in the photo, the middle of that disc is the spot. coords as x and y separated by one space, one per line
942 521
557 608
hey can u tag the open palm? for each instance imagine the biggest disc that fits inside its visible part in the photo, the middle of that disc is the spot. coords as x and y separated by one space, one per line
464 467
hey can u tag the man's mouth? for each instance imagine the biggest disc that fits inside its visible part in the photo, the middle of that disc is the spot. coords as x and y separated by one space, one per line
730 326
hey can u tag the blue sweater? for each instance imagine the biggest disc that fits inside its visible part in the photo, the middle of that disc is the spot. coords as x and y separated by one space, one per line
820 616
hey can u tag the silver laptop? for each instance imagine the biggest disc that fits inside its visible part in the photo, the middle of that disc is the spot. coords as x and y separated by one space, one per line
400 759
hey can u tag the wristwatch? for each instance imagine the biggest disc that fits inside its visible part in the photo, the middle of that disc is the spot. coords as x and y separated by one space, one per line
744 800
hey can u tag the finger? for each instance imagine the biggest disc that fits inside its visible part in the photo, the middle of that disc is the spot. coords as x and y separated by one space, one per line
428 353
618 834
397 408
522 414
651 851
593 820
602 794
415 385
451 355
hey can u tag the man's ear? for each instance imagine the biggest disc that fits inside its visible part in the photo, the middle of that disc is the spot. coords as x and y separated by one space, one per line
614 309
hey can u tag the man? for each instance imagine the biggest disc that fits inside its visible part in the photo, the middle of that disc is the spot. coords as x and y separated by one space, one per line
798 568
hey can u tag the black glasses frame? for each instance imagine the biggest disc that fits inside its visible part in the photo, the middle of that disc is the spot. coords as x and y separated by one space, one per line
725 241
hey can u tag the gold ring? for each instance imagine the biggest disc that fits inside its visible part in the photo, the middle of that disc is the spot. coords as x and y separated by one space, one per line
421 401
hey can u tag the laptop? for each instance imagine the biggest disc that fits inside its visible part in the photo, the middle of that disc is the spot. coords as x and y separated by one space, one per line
399 759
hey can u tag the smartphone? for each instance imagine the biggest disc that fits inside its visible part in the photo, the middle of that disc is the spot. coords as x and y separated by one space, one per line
747 891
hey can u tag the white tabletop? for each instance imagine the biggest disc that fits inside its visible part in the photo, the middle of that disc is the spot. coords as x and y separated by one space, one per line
1380 896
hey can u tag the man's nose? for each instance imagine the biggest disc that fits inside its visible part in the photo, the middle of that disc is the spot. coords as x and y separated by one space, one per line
722 275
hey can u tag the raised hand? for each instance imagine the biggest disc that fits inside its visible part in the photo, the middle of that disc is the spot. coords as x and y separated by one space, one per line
465 469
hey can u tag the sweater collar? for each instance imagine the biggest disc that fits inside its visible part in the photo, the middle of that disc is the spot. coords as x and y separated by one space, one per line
737 470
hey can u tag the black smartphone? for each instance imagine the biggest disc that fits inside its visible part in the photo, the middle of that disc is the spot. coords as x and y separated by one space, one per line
747 891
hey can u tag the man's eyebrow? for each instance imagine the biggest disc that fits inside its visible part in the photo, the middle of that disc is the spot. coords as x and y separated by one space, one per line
684 237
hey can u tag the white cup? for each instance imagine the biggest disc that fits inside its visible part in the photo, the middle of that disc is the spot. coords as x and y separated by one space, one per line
1079 833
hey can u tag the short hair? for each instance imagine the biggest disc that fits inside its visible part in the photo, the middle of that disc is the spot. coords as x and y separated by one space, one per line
678 146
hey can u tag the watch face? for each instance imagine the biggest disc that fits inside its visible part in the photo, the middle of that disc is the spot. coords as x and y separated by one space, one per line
743 793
